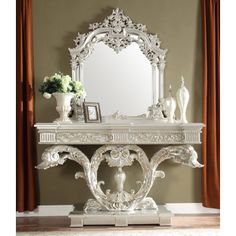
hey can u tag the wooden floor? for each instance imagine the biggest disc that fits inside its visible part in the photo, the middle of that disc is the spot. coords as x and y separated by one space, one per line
24 224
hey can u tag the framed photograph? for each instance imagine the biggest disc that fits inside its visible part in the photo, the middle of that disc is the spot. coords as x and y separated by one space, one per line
92 112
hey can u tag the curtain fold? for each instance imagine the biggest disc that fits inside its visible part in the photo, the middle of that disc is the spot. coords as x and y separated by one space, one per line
25 152
211 103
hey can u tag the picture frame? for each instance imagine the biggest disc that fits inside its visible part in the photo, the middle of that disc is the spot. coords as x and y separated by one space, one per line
92 112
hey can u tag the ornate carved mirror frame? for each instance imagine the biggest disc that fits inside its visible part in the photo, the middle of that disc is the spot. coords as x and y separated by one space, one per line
118 31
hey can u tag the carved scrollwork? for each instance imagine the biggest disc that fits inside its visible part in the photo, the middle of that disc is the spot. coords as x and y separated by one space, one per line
181 154
110 137
80 39
155 112
118 116
93 205
146 203
54 156
118 22
83 137
79 174
185 156
156 137
119 156
117 31
117 43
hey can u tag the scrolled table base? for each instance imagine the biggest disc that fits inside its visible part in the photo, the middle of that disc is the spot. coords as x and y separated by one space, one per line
147 203
119 156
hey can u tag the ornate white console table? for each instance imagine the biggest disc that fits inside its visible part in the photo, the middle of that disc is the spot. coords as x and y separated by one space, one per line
120 140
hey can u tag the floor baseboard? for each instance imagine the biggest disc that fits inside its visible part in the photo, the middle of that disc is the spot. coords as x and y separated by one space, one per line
64 210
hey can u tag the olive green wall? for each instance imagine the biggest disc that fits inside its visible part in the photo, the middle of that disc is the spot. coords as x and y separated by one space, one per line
177 23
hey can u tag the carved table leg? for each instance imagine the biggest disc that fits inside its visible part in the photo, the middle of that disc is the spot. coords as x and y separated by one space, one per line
120 156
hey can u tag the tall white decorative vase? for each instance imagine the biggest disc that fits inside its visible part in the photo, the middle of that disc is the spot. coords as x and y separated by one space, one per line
170 106
63 106
182 97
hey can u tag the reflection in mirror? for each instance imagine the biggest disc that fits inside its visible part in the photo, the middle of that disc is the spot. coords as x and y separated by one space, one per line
119 82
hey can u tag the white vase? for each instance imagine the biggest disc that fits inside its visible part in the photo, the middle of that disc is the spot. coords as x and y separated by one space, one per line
170 106
182 97
63 106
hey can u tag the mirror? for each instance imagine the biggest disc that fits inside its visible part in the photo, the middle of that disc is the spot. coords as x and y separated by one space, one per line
119 82
121 66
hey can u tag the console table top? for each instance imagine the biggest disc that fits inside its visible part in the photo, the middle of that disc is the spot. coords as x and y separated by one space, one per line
119 133
119 125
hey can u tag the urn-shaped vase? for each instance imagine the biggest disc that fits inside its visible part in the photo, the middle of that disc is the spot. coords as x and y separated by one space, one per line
170 106
63 106
182 97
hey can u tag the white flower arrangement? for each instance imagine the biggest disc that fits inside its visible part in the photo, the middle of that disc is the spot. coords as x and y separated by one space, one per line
62 84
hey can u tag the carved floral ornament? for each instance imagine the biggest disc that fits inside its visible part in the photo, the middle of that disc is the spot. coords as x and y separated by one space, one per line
119 156
117 31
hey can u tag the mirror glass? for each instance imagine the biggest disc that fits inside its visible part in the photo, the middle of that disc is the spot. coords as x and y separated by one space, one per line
118 81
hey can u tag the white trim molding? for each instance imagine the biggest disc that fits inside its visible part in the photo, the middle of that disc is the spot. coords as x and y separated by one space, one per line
48 210
64 210
190 208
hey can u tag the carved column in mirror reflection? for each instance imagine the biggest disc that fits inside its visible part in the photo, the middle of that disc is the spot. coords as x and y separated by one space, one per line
155 84
81 77
161 67
77 72
75 68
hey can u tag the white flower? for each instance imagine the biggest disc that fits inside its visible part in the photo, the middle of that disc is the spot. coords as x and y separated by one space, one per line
57 76
79 93
64 88
47 95
83 94
67 77
77 83
69 87
46 78
66 84
78 86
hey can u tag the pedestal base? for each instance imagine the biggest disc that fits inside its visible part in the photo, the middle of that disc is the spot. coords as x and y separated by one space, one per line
161 217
